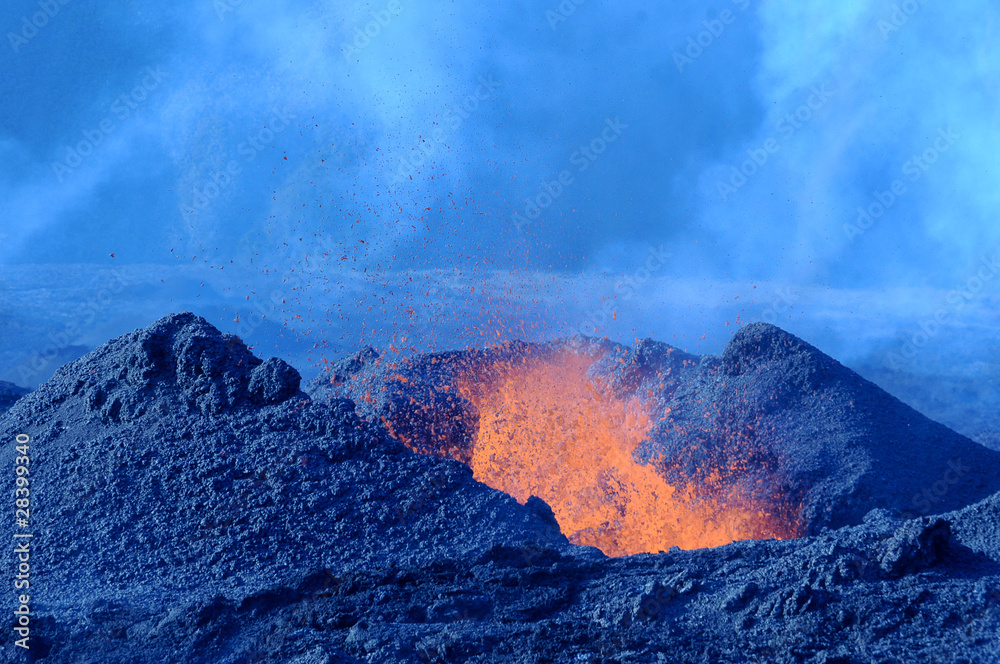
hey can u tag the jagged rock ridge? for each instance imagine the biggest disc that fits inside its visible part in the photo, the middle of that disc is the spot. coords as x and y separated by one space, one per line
189 503
813 428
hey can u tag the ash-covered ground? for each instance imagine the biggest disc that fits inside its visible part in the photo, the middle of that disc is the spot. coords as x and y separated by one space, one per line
191 503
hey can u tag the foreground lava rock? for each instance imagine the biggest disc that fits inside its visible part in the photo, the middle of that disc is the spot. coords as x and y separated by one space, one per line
191 504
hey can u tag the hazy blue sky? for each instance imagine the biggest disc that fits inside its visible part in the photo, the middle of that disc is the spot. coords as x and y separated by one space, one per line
372 172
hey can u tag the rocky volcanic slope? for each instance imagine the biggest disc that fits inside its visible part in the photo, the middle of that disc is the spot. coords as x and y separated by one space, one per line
191 504
834 441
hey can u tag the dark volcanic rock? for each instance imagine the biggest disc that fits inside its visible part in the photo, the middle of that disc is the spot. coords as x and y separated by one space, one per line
843 444
916 545
190 504
272 382
153 460
792 420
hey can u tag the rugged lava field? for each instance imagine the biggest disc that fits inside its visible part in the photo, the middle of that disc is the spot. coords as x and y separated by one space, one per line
577 501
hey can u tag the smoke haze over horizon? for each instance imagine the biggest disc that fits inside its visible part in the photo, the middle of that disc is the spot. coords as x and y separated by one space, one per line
440 175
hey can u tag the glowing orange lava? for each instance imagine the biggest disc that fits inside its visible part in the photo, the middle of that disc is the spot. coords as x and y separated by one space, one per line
546 430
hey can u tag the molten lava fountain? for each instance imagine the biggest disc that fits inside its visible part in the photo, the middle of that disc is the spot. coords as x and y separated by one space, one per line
546 430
